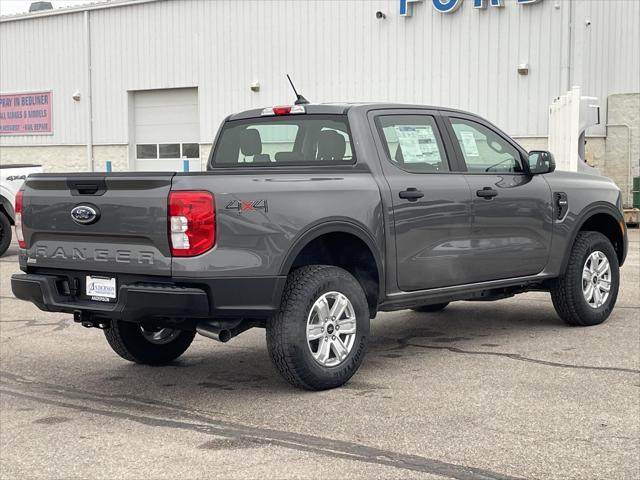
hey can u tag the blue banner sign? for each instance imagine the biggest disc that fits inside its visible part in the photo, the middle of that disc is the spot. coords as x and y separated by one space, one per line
450 6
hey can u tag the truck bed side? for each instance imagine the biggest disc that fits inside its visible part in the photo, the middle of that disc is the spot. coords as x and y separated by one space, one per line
262 217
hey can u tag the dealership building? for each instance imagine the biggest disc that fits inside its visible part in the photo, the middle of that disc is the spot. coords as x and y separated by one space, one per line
144 84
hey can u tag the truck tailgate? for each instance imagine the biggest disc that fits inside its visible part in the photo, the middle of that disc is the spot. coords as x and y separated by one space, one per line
129 234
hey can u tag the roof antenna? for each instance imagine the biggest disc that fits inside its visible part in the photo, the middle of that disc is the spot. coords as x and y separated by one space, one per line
300 100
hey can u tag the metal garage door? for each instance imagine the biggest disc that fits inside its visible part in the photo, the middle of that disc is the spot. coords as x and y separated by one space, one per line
166 129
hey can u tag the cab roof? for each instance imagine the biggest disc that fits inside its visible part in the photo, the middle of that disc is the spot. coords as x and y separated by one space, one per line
341 108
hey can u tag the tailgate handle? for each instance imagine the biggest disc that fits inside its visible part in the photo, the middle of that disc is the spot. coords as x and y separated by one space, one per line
87 187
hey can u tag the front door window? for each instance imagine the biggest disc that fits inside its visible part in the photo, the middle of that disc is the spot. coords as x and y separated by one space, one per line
484 151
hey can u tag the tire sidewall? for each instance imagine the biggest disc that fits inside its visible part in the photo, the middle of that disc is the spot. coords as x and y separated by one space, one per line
345 284
127 340
588 314
5 233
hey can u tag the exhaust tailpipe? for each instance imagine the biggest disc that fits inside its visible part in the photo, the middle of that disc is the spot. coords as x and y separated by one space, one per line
214 331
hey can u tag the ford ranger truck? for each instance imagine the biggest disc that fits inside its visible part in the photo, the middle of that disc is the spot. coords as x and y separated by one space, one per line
308 221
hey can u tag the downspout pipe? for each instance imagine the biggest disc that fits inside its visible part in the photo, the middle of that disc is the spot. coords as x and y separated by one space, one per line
570 48
566 58
87 33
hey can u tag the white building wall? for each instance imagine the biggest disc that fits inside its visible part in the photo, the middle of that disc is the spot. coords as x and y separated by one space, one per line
47 53
335 50
606 50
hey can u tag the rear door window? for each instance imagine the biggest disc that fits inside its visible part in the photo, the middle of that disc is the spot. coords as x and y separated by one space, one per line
413 143
284 140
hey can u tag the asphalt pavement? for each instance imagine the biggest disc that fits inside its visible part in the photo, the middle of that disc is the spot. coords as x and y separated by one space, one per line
478 391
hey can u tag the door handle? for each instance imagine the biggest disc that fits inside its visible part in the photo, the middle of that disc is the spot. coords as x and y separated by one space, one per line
411 194
487 192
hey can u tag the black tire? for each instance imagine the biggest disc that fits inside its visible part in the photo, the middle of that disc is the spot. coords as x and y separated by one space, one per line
436 307
127 340
5 233
286 330
566 291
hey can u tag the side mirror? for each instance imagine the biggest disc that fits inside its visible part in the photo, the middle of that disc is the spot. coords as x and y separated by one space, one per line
540 162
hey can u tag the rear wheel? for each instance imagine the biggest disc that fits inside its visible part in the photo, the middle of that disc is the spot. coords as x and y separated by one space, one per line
436 307
587 292
5 233
318 338
150 346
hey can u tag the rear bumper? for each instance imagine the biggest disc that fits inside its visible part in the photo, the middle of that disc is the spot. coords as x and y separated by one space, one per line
138 299
135 301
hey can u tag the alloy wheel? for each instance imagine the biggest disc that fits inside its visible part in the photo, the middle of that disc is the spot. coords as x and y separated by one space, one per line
596 279
331 329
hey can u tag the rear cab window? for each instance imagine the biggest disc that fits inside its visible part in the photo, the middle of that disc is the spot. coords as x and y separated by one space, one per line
284 140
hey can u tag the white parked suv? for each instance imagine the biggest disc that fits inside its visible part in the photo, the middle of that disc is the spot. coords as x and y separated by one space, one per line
11 179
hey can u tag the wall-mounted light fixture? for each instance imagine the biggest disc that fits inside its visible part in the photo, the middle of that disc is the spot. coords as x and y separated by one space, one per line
255 87
76 95
523 69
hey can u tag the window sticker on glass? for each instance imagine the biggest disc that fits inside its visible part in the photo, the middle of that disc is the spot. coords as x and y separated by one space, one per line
418 143
469 144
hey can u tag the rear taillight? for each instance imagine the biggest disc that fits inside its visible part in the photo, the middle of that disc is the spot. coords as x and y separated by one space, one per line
192 223
18 220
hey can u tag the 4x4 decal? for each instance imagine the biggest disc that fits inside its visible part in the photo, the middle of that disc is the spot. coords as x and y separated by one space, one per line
247 205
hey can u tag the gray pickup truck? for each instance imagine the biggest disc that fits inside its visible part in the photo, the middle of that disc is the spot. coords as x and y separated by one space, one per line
308 221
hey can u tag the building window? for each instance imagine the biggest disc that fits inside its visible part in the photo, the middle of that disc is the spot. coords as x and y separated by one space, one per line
169 150
190 150
147 151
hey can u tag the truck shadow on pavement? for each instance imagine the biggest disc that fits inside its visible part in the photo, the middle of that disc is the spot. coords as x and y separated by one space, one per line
411 337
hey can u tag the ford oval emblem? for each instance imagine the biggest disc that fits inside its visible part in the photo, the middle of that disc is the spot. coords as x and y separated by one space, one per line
85 214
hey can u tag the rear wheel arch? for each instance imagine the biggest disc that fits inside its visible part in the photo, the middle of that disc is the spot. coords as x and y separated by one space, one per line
343 245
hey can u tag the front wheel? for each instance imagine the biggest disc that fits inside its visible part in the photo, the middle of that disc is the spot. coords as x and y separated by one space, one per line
318 338
586 293
149 346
